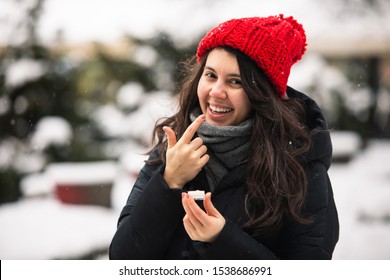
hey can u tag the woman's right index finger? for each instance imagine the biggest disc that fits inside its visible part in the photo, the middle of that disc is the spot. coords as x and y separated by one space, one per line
192 128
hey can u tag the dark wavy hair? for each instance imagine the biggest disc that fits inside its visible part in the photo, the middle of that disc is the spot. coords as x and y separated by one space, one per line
276 178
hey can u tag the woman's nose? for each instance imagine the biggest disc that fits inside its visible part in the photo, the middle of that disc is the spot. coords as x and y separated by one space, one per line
218 91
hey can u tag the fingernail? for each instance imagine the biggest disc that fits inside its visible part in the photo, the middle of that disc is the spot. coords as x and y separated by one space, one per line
203 117
183 194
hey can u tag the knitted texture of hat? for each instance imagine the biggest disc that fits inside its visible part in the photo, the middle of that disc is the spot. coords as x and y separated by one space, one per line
275 43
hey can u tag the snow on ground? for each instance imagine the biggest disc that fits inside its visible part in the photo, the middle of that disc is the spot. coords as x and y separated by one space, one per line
362 192
42 228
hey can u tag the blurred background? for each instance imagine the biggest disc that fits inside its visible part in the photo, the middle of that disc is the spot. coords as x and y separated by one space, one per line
83 82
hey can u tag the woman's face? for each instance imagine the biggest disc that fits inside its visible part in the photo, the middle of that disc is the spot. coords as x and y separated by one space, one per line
222 99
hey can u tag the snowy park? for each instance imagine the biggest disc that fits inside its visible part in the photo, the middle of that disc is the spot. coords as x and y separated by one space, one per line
69 209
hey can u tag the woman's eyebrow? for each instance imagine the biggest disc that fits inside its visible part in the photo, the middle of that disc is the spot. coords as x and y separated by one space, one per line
229 75
209 68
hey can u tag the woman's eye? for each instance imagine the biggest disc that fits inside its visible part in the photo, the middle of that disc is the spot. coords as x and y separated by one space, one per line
236 82
211 75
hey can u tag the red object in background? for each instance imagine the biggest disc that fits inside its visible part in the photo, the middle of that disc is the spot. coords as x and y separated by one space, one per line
84 194
86 183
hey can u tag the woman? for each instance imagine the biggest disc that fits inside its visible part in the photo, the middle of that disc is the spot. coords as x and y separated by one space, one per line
259 149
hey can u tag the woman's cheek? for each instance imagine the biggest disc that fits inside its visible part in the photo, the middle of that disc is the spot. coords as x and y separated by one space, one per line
202 97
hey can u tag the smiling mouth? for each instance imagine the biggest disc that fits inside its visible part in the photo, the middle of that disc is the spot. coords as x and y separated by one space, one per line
220 110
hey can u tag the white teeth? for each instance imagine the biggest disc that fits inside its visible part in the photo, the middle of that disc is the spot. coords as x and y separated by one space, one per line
220 110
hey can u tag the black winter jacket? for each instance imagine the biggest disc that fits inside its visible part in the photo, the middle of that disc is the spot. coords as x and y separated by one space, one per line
150 225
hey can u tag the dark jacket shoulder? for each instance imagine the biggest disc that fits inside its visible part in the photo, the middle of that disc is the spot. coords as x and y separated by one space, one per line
321 144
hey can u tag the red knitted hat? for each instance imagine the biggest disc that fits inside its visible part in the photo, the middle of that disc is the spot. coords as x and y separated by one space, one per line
275 43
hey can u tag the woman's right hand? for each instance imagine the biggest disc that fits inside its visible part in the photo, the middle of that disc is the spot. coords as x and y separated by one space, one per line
186 157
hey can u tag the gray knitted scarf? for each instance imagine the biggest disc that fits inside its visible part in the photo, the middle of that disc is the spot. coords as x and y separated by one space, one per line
227 147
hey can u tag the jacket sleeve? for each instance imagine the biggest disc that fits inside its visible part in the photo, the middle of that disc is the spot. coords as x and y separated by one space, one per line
148 221
234 244
315 240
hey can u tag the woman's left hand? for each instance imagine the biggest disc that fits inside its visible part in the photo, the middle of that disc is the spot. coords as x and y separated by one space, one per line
201 225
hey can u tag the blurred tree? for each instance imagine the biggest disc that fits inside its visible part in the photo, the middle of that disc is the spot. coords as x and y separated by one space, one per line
31 82
94 76
35 83
166 70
